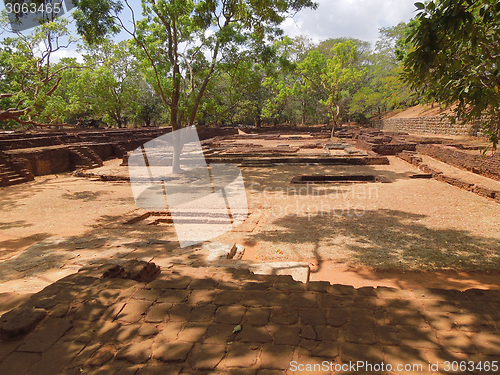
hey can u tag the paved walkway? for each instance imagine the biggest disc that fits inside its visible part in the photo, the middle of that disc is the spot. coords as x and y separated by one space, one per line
218 321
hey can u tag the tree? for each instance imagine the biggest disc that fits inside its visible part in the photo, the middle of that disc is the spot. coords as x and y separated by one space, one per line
335 76
28 76
383 88
110 89
148 107
175 33
454 58
174 36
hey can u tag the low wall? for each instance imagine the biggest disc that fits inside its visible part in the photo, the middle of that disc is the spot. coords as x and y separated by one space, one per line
207 133
55 158
428 125
488 166
43 161
21 140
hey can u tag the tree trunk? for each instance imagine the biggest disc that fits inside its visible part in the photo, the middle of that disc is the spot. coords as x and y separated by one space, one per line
258 121
303 114
174 121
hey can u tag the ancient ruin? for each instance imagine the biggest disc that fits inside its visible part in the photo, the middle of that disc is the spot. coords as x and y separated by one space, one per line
375 246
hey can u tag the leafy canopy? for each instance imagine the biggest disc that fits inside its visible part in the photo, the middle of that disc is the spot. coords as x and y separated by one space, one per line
183 43
455 57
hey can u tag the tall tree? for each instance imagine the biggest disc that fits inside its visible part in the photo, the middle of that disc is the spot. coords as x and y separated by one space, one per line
110 88
454 58
174 34
337 76
384 89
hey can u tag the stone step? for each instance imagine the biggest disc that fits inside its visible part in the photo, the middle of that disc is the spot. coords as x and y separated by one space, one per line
16 181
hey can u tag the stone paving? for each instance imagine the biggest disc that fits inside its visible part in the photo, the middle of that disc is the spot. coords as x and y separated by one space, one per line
209 320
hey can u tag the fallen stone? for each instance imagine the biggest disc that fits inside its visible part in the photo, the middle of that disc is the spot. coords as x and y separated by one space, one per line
421 175
298 270
140 271
20 322
240 250
220 250
154 241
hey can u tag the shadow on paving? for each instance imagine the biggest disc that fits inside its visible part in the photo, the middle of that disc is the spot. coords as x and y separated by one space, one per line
45 253
218 321
384 240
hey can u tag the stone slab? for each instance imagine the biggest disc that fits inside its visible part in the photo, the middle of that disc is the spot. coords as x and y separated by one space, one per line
219 251
298 270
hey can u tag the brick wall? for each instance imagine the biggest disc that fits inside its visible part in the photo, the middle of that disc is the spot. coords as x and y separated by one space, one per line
427 125
488 166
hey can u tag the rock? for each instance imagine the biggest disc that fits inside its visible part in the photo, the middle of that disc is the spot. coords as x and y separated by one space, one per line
135 270
220 250
240 250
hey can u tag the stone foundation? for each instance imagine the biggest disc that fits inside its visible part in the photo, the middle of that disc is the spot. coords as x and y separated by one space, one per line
46 153
488 166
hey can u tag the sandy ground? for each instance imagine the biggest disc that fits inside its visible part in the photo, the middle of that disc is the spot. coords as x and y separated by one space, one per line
410 232
409 224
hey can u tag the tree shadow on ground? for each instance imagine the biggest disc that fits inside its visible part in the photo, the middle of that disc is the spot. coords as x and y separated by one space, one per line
230 321
87 196
385 240
15 224
10 247
109 238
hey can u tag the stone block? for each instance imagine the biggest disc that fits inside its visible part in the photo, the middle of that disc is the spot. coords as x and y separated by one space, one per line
219 251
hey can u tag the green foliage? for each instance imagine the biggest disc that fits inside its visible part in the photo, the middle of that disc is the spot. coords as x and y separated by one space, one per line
28 78
204 62
383 89
315 82
454 58
218 29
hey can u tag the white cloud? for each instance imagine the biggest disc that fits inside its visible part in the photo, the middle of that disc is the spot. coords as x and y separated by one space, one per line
359 19
67 52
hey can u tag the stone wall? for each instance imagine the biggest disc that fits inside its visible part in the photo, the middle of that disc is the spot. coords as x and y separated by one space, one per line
206 133
43 161
427 125
488 166
57 152
129 138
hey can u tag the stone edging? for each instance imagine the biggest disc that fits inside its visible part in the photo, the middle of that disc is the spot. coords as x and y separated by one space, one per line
412 158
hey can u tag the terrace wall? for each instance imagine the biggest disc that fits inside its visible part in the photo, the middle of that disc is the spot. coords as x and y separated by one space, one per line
428 125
